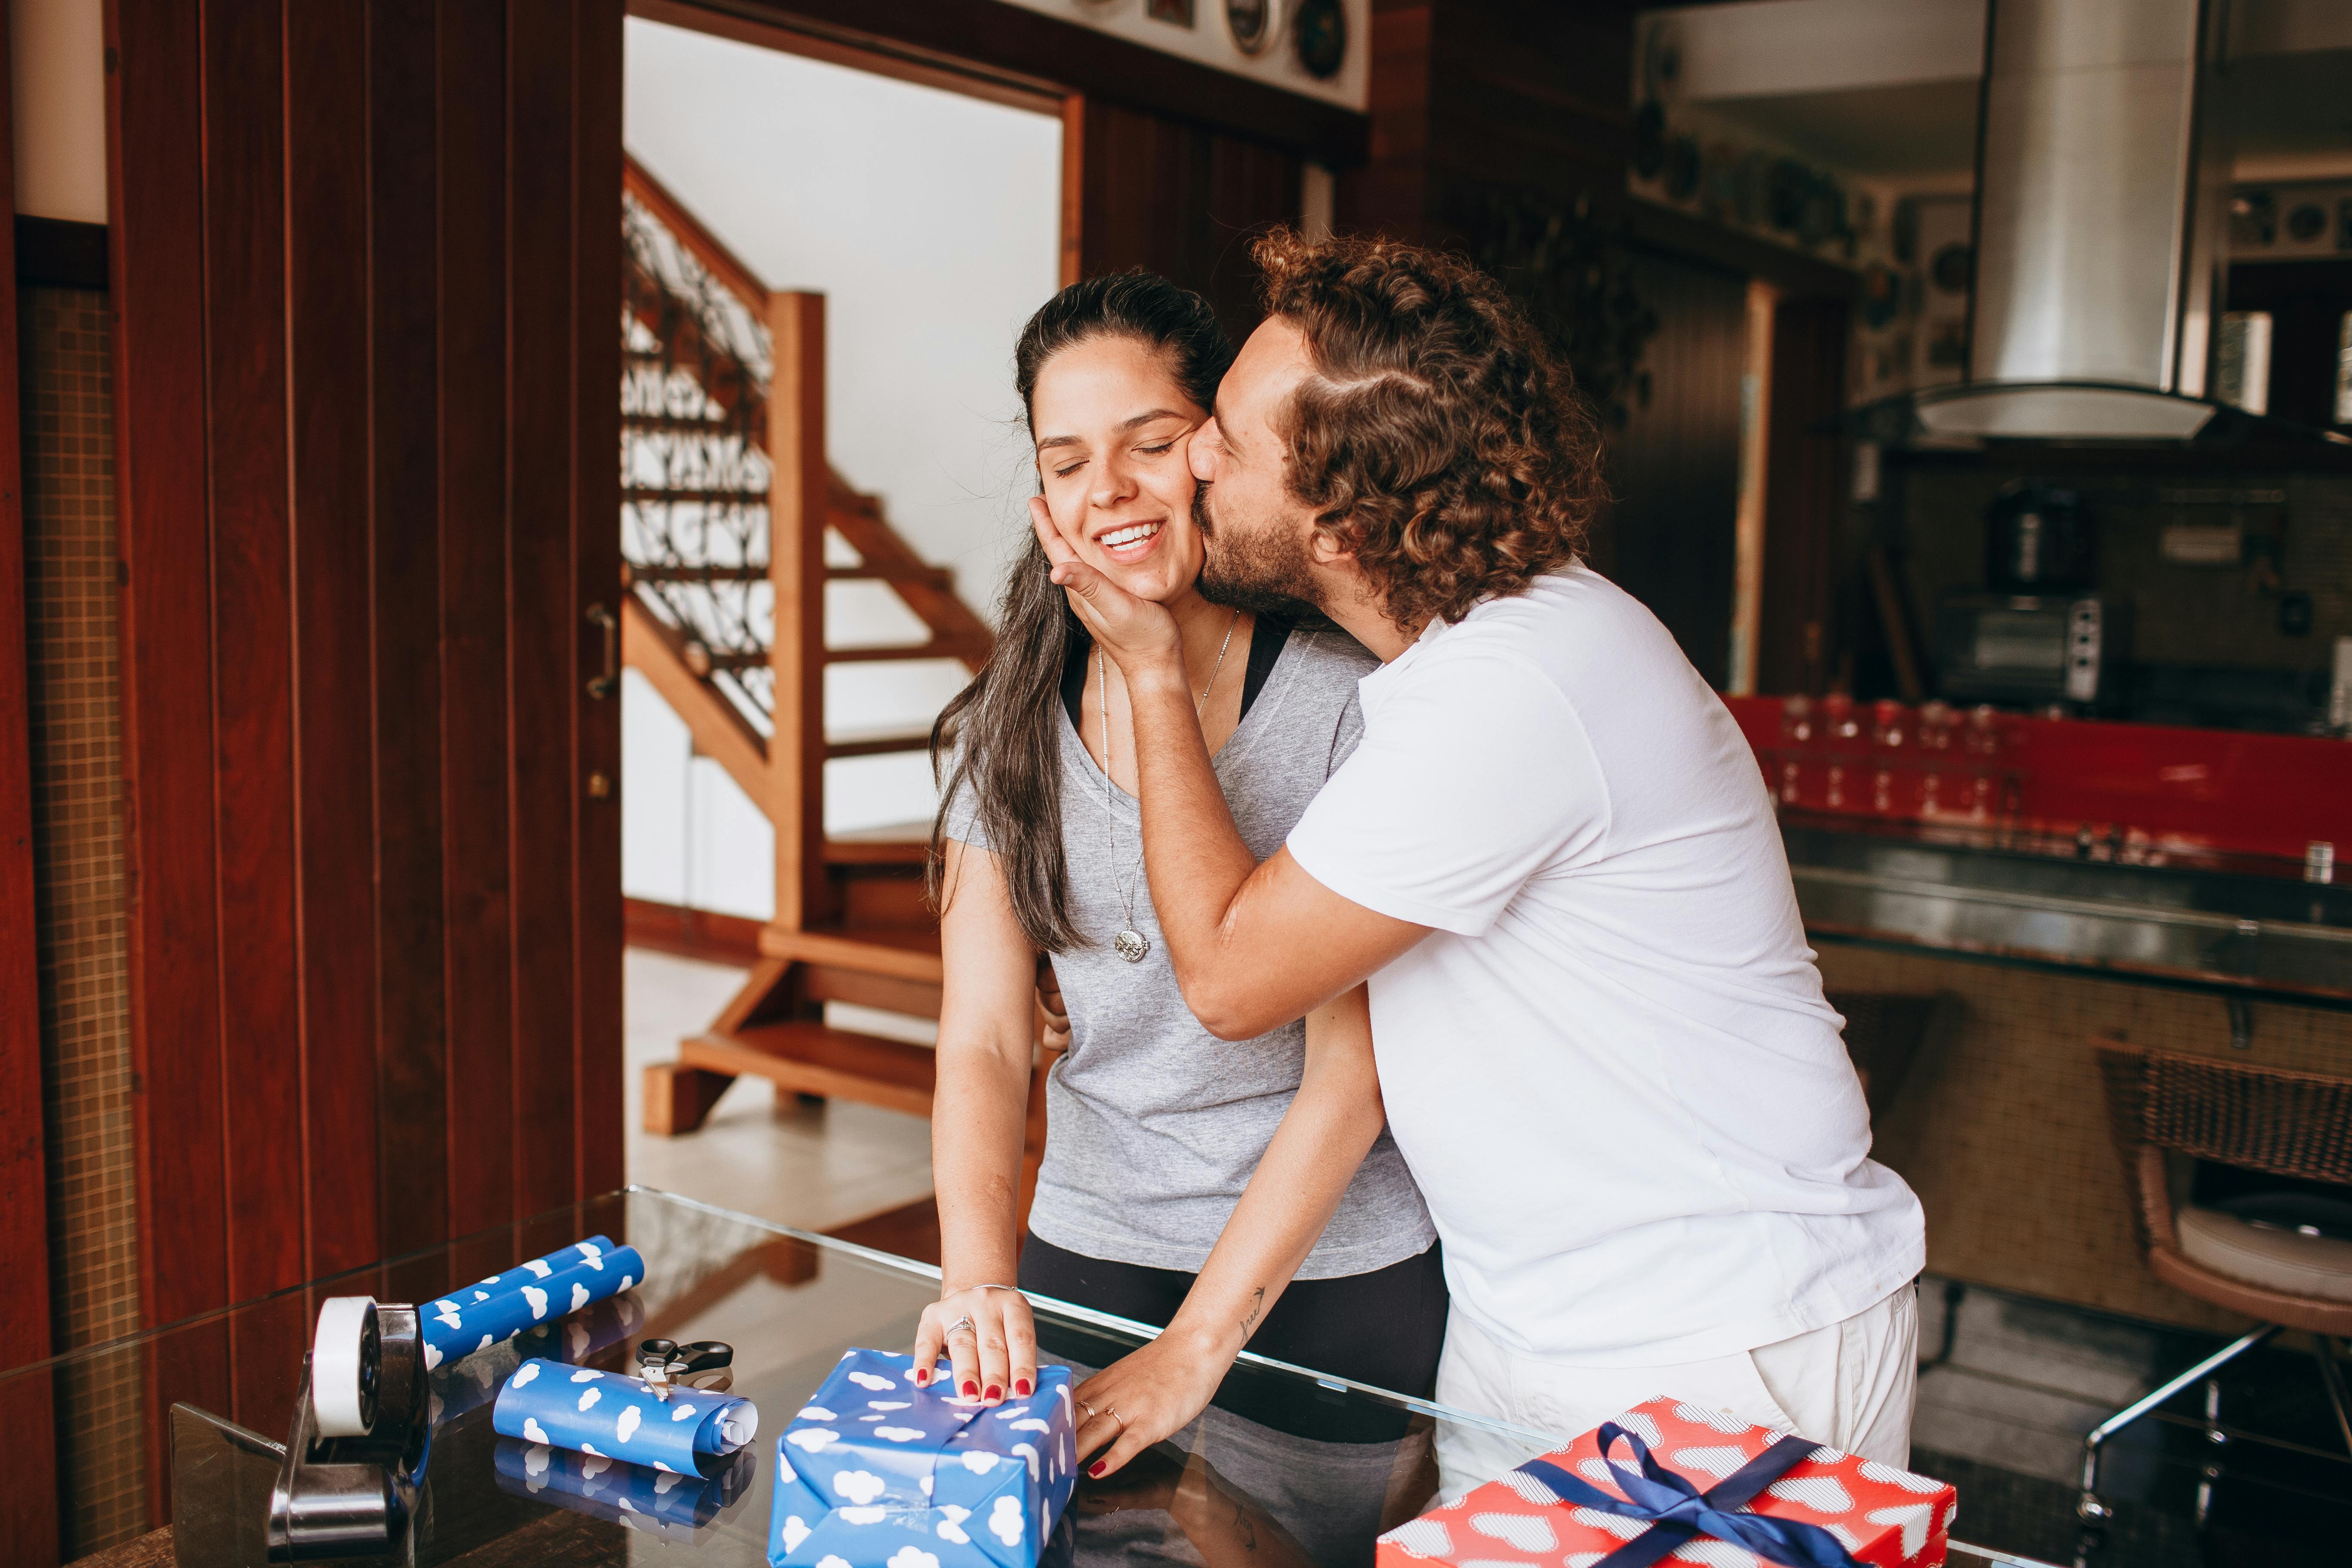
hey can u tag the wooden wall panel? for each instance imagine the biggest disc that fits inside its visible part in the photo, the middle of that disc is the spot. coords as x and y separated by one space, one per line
367 270
326 139
1803 489
245 290
1180 201
474 407
1468 96
598 1140
544 613
412 1009
1669 539
155 101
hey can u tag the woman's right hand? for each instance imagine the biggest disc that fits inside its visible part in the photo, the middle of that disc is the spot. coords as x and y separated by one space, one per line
994 1356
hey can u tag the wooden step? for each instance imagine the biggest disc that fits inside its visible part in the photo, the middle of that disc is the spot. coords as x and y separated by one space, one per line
966 648
697 574
878 851
693 496
876 746
938 577
815 1058
679 424
910 953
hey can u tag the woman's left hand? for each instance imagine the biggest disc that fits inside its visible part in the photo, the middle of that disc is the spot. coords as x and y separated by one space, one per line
1144 1396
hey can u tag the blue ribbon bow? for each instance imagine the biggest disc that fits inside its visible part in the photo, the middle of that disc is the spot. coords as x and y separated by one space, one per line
1678 1511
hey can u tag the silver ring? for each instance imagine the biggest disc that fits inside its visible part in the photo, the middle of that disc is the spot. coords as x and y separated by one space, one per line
962 1322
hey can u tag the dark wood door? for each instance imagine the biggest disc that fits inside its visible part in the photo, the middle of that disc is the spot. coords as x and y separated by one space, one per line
1670 536
366 271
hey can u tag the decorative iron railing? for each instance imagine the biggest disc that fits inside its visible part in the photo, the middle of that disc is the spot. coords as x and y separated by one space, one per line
694 474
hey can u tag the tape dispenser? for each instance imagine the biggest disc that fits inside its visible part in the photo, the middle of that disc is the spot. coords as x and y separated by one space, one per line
357 1448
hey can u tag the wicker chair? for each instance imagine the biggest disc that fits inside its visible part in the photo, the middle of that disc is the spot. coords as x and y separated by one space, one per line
2277 1123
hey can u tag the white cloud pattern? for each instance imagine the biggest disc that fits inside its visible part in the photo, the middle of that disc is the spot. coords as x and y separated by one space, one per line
631 1417
1005 1520
859 1486
538 1299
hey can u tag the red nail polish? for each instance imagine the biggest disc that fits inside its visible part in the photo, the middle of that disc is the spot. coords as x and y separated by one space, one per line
1096 1469
1021 1387
994 1392
970 1389
922 1377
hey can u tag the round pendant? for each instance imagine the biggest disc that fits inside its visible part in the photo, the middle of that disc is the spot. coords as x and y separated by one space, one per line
1131 945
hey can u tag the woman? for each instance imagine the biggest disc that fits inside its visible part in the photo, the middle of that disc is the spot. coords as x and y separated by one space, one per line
1146 1205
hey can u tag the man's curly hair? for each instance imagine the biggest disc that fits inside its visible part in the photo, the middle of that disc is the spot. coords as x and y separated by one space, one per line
1438 436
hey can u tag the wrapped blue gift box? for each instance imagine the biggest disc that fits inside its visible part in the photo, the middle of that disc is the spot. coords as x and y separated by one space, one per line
609 1416
875 1471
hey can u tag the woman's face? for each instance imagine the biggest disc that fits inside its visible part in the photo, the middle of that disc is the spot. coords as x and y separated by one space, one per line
1111 424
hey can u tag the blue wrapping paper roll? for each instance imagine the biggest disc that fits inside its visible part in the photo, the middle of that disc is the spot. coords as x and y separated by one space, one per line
462 1386
609 1488
521 1274
874 1467
610 1417
477 1317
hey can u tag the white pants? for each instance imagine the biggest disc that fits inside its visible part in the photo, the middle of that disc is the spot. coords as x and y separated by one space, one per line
1848 1384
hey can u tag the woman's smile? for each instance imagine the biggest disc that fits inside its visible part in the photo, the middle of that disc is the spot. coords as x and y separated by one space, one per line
1128 542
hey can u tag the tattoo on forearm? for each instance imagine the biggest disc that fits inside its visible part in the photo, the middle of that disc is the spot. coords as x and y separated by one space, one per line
1257 1306
1241 1525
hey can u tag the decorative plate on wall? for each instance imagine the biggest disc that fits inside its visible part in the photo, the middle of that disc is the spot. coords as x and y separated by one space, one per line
1252 23
1321 30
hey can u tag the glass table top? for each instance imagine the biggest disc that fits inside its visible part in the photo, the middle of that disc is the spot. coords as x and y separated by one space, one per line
1286 1467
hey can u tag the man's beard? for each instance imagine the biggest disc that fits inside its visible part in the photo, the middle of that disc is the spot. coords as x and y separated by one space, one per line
1266 572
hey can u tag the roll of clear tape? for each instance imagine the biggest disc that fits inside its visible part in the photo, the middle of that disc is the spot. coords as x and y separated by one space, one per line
346 1365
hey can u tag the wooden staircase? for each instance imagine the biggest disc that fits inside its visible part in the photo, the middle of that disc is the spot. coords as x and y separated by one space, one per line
726 491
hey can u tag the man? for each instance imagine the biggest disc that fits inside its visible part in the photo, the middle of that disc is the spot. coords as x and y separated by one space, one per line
1601 1036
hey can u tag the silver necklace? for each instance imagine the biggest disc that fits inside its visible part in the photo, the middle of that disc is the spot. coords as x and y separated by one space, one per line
1130 943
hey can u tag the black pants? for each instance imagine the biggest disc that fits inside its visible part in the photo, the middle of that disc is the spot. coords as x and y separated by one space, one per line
1385 1328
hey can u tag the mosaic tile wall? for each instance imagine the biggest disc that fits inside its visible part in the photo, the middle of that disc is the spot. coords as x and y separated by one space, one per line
2001 1127
80 895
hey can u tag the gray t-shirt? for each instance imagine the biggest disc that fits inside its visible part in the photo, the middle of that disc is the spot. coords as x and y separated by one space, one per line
1153 1124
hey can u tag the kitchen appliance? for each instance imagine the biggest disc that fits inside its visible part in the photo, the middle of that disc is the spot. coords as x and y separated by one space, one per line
2037 539
2033 650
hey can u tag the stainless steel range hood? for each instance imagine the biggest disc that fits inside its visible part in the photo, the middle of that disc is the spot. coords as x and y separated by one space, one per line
2101 213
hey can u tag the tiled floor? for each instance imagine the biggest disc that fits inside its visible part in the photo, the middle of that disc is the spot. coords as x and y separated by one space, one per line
2003 1420
813 1168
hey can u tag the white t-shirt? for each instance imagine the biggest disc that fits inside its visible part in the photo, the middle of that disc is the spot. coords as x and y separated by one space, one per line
1609 1065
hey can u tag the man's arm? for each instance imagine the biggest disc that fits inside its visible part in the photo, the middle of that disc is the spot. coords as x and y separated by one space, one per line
1253 946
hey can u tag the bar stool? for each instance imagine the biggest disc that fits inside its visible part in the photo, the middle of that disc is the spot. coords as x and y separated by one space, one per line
2278 1124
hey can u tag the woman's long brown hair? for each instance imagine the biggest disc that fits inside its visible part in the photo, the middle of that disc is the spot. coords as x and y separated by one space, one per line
1001 737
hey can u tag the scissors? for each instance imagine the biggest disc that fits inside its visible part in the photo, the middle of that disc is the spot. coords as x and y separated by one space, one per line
704 1364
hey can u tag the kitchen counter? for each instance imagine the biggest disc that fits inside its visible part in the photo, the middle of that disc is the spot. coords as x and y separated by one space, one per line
2220 926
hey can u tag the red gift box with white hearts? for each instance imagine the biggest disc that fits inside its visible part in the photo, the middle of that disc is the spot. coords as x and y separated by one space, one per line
1883 1516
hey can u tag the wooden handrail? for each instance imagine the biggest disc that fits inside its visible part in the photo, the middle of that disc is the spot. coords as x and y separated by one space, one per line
706 247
